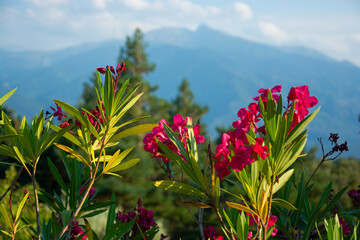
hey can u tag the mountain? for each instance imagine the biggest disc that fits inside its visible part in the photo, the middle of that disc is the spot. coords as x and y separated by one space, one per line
224 71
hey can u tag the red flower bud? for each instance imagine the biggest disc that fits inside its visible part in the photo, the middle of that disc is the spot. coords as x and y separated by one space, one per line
101 70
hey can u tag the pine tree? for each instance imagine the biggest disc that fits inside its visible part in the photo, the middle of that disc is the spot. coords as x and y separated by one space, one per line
184 104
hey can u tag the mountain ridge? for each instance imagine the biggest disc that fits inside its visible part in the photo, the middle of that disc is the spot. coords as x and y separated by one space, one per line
224 71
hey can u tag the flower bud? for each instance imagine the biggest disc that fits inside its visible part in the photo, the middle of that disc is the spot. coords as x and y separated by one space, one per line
101 70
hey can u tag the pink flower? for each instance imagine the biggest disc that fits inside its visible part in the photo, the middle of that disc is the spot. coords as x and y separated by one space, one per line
265 92
211 234
300 95
346 229
179 128
222 168
58 112
259 149
91 192
247 117
271 222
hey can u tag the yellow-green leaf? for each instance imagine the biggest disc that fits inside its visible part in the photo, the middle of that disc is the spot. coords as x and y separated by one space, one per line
282 180
179 187
282 203
72 152
196 204
7 96
241 208
132 131
125 165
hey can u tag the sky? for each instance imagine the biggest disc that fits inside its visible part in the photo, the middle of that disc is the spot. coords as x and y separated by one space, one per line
329 26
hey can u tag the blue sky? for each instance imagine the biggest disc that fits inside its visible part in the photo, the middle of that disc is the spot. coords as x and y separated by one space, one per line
330 26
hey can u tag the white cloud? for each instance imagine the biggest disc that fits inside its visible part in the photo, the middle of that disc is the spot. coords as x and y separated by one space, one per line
137 4
243 9
356 37
273 32
99 4
47 3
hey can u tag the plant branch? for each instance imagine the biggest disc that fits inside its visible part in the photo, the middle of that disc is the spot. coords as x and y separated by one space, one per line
38 226
92 181
12 183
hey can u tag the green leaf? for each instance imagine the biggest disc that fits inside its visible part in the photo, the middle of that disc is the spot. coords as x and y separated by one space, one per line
300 127
196 204
4 137
241 208
67 135
6 96
19 156
125 165
179 188
132 131
97 206
111 215
94 213
20 208
6 217
282 203
175 157
72 152
57 175
282 180
176 141
79 116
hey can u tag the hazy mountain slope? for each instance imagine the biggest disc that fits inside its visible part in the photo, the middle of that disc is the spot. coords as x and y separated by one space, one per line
224 71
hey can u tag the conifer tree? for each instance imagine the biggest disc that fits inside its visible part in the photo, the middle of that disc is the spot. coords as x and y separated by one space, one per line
184 104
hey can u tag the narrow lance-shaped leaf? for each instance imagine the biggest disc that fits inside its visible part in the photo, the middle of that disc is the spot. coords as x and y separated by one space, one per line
6 96
72 152
282 180
241 208
179 187
125 165
20 208
132 131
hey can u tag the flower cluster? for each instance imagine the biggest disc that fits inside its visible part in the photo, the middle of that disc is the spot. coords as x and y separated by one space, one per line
58 112
144 219
271 222
179 127
354 194
235 151
300 97
75 230
211 234
95 116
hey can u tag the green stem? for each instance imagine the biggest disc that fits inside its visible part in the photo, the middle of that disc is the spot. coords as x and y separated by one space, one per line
92 181
38 226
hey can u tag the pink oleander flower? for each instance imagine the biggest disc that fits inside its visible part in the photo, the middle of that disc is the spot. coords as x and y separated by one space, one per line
58 112
180 129
91 192
77 230
144 218
211 234
259 148
271 222
236 153
248 118
300 96
345 227
265 92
